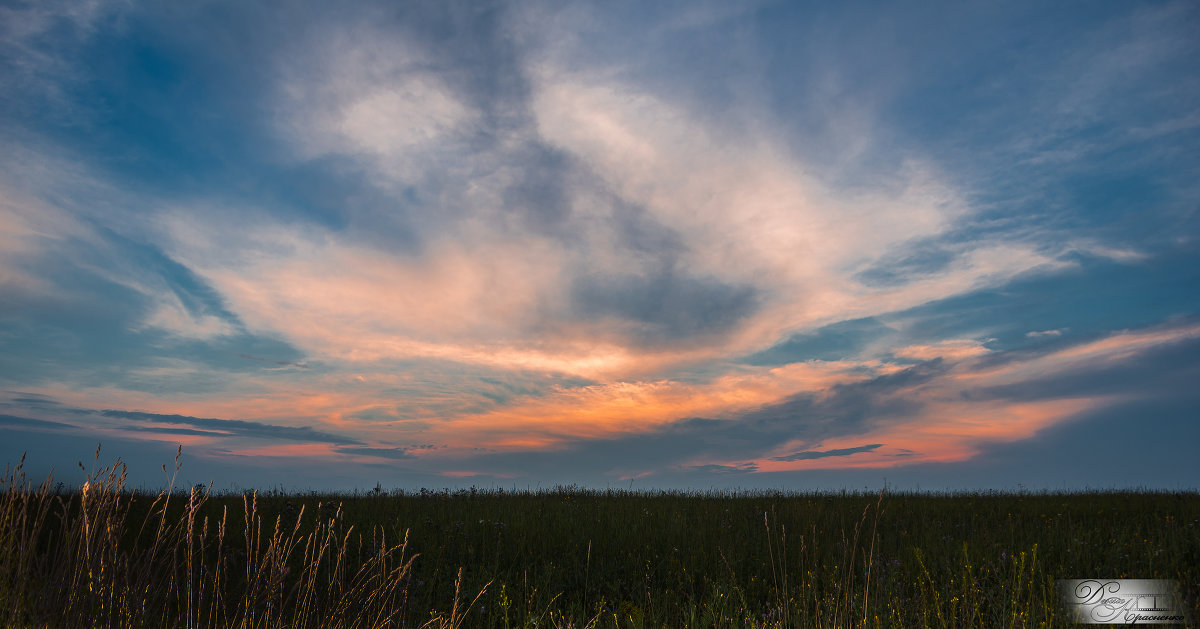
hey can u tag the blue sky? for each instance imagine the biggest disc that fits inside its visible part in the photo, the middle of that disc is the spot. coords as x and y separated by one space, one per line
696 245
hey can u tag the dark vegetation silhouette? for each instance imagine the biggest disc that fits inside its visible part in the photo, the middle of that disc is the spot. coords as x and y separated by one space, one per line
103 555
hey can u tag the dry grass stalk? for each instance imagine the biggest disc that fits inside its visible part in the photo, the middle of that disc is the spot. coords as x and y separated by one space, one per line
70 559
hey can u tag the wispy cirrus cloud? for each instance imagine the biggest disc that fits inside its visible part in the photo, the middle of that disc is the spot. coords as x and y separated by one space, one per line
748 248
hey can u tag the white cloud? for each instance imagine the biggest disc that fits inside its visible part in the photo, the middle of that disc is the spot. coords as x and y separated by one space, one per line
406 116
31 231
169 314
749 212
363 92
37 236
1123 255
743 204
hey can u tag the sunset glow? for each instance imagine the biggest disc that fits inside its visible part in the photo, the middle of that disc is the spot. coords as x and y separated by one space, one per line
687 245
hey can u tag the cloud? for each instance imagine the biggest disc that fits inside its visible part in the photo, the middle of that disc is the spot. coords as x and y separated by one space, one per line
29 230
232 427
394 454
663 308
836 341
495 227
186 432
374 95
949 408
14 421
639 236
1143 364
41 76
379 453
281 363
31 399
951 349
807 455
638 431
726 469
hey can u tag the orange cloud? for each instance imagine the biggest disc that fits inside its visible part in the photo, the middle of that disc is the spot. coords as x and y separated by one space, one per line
951 427
288 450
621 408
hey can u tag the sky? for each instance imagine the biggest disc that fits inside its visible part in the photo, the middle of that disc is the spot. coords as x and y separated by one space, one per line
681 245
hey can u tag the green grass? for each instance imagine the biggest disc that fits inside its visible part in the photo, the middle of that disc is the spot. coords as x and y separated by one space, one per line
574 557
736 560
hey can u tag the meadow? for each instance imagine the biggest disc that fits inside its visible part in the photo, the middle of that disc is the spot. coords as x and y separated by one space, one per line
102 555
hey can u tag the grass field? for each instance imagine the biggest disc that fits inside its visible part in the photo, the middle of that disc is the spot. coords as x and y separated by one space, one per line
99 555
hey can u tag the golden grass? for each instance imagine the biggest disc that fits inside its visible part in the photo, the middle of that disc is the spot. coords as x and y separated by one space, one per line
74 560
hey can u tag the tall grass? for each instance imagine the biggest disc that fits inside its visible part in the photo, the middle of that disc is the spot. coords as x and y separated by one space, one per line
774 559
568 557
78 560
